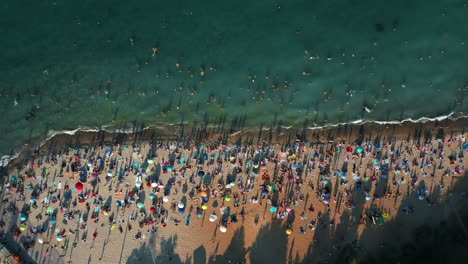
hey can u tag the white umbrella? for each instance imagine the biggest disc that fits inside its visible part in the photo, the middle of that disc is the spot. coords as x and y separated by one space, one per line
40 240
181 205
223 229
213 218
138 184
165 199
154 184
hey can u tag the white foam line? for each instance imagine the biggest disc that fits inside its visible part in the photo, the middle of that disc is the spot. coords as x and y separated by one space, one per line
4 160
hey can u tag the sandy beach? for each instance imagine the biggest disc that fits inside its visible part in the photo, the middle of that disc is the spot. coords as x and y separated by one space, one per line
239 197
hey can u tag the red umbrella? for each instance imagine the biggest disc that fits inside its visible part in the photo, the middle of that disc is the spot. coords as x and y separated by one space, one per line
148 184
79 186
349 149
152 209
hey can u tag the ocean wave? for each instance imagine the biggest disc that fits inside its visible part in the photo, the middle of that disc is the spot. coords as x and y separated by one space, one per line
452 116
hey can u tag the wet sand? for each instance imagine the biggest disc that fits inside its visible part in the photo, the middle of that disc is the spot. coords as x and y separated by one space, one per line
258 235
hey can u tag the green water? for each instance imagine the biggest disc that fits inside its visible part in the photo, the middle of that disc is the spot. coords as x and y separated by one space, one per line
69 64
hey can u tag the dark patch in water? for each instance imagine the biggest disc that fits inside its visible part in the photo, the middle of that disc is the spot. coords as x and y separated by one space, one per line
379 27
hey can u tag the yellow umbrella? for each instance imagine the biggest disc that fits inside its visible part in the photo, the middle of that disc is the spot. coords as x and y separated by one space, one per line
288 231
204 207
203 194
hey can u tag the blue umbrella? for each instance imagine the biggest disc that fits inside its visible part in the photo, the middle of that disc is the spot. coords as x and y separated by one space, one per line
32 199
152 195
265 192
140 205
132 200
273 209
201 173
23 217
182 210
170 168
360 149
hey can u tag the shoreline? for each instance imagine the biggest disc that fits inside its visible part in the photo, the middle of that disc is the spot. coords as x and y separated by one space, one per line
212 133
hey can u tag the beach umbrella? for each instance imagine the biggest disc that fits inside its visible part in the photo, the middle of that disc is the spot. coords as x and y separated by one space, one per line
182 160
132 200
138 184
203 194
170 168
150 161
40 240
79 186
223 229
23 217
288 231
213 218
59 237
109 173
50 209
181 210
148 184
154 184
201 173
228 186
204 207
265 192
152 209
232 184
227 198
22 227
360 149
53 221
140 205
181 205
32 199
205 199
273 209
152 195
368 197
165 199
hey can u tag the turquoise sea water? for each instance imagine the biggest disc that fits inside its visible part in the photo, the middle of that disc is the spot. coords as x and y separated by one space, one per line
69 64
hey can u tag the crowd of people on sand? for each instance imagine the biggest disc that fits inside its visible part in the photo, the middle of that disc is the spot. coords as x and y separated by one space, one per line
122 188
